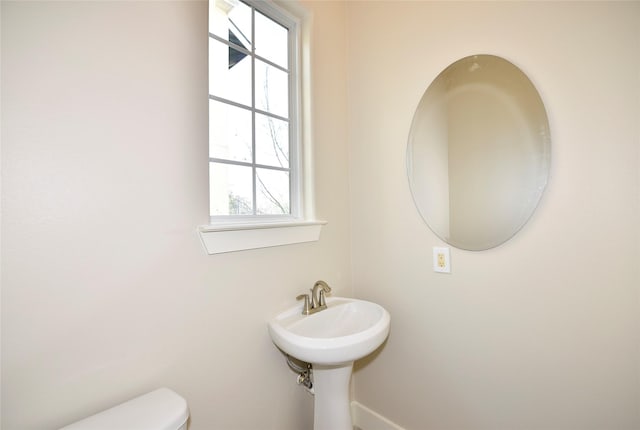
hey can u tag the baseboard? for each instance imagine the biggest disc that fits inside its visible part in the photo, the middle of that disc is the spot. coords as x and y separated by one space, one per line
366 419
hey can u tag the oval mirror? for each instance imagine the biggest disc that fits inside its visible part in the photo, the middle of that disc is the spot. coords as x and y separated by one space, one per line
478 155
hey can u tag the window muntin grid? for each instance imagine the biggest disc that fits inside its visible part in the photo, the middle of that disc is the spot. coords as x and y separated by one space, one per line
254 173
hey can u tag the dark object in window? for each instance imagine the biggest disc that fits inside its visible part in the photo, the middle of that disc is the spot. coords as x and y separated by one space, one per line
235 56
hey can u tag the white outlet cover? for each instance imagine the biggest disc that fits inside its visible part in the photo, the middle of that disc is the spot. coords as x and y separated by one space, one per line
441 260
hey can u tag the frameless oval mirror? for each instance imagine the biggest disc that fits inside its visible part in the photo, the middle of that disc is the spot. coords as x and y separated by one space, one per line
478 155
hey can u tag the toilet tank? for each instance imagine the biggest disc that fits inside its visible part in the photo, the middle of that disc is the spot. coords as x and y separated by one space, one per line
161 409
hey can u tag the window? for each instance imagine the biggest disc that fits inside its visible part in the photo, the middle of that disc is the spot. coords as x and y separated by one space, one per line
255 142
253 138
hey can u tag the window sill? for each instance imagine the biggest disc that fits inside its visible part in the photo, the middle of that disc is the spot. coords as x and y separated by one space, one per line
218 239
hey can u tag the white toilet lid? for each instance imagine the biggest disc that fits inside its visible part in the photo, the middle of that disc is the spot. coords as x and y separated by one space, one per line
161 409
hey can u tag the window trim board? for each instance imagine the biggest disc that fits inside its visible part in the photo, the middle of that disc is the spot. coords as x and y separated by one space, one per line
218 239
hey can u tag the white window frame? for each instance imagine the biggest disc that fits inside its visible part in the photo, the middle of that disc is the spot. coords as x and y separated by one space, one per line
235 233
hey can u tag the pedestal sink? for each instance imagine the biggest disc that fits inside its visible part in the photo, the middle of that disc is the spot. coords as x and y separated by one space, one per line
331 340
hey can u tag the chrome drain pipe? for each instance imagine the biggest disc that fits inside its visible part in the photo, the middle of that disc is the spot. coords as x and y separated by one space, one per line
304 371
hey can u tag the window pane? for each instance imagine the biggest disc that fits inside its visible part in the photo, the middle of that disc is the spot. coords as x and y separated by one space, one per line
272 192
231 23
271 40
229 132
272 89
231 189
229 73
272 141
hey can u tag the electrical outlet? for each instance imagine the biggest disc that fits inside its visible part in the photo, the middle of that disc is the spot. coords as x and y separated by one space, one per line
441 260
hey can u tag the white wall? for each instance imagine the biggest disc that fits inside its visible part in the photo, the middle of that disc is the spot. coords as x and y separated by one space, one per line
543 331
106 290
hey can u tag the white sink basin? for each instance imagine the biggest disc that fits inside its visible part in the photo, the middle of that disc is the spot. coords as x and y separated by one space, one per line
346 331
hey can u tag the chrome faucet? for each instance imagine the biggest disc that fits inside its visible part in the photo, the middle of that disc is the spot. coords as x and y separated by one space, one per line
317 302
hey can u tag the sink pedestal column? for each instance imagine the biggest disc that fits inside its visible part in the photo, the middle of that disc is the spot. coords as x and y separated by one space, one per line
332 409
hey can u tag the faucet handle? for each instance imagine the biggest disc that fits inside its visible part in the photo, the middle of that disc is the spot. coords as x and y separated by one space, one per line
321 300
305 308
